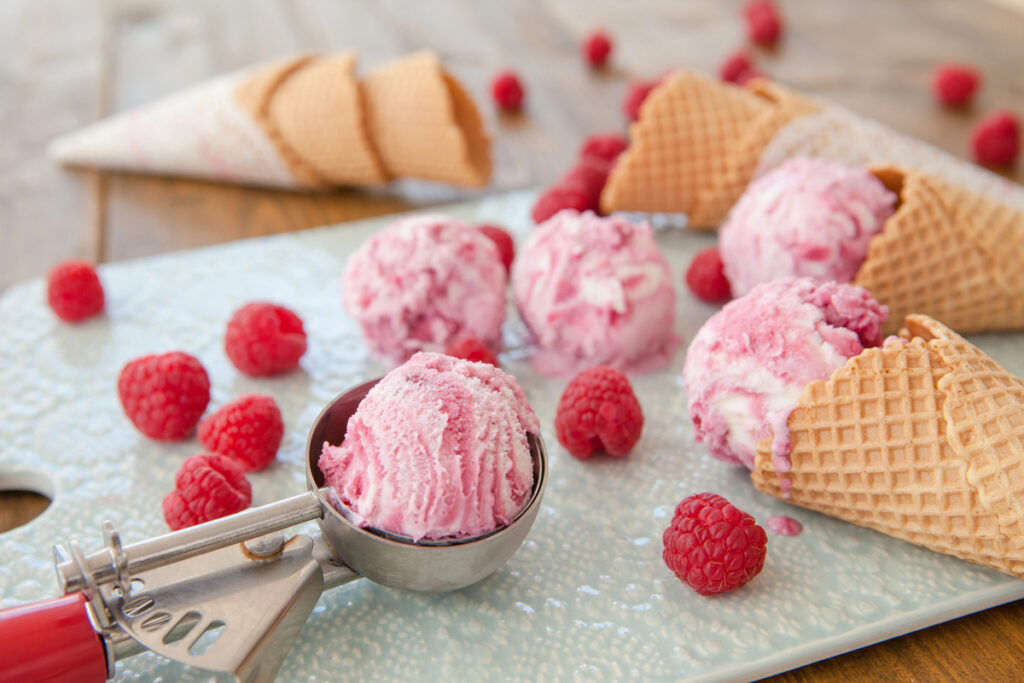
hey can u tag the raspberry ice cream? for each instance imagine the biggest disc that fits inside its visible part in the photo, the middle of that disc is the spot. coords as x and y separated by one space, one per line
808 217
424 282
437 449
749 363
595 291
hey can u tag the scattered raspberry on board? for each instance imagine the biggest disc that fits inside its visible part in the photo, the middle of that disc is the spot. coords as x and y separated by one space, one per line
74 291
248 430
706 277
598 412
507 91
164 395
764 22
635 96
995 140
472 349
561 196
264 339
604 146
502 240
208 486
597 48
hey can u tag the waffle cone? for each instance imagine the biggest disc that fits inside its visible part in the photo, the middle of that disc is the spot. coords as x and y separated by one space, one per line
696 146
947 252
922 440
424 124
312 109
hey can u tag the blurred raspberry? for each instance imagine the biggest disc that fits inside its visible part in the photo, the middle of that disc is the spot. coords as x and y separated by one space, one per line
635 96
954 84
248 430
264 339
737 68
207 486
472 349
561 196
508 91
597 48
164 395
598 411
764 23
502 240
713 546
590 174
995 139
73 291
706 277
604 146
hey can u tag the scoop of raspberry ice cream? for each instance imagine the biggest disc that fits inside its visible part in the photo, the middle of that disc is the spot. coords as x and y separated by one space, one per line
749 363
595 291
808 217
424 282
437 449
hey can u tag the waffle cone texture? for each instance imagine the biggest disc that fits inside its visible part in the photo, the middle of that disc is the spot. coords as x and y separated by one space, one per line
950 253
922 439
304 122
696 146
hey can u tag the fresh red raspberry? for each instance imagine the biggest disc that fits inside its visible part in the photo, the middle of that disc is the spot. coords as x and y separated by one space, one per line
635 96
208 486
764 23
164 395
604 146
248 430
712 545
995 140
590 174
954 84
73 291
598 411
706 277
737 68
507 91
472 349
561 196
502 240
597 48
264 339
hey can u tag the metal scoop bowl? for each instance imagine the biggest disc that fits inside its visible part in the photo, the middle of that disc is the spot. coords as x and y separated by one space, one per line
232 594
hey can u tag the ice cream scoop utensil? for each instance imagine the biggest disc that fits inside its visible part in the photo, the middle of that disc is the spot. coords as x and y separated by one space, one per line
232 594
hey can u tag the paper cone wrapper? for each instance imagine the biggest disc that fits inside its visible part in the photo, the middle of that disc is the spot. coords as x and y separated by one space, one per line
947 252
425 125
696 146
922 440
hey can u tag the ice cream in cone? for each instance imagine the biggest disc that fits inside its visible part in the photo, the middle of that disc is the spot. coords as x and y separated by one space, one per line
306 122
922 439
696 146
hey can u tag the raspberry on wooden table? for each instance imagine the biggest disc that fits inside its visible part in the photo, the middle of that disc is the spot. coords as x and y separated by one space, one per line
248 430
74 291
561 196
954 84
604 146
995 139
737 68
597 48
591 174
706 277
264 339
764 23
208 486
598 411
712 545
508 91
502 240
472 349
164 395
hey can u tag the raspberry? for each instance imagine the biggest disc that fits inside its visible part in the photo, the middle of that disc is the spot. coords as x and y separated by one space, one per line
635 96
590 174
264 339
73 291
604 146
472 349
561 196
208 486
248 430
764 24
995 140
502 240
508 91
954 85
706 277
713 546
164 395
597 48
737 68
598 411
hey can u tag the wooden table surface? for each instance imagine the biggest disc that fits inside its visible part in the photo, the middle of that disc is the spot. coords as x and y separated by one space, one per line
64 63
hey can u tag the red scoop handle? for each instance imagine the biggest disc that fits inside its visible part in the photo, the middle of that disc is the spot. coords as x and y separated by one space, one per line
50 641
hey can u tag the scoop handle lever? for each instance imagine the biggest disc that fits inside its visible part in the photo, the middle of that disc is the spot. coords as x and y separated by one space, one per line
51 641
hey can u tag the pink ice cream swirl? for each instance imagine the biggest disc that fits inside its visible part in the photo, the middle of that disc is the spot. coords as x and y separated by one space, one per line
808 217
595 291
749 363
424 282
437 449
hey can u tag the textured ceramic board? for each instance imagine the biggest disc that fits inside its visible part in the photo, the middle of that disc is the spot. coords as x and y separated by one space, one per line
587 596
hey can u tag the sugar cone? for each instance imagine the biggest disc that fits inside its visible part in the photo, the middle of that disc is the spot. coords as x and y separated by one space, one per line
922 439
696 146
947 252
424 124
